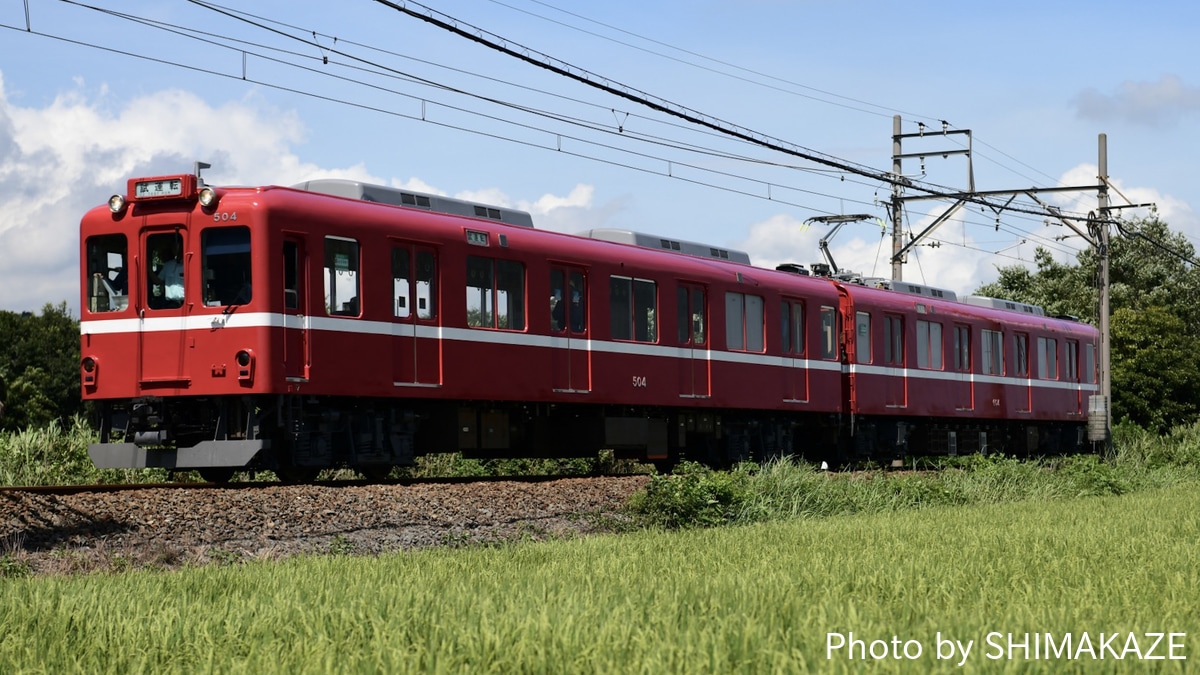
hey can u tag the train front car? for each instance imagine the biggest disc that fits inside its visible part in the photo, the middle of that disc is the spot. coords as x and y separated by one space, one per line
174 325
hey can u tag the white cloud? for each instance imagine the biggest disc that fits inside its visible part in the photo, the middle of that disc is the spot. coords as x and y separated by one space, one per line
59 161
1144 103
1177 213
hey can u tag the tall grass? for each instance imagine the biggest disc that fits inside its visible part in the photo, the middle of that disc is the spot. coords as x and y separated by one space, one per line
781 490
754 599
54 455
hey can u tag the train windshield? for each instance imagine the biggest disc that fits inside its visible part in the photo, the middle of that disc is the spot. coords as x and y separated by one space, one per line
164 274
226 266
106 279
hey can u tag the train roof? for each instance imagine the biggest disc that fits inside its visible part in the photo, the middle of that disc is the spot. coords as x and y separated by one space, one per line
667 244
436 203
367 192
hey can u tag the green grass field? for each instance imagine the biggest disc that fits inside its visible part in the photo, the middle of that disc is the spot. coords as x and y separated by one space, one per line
760 598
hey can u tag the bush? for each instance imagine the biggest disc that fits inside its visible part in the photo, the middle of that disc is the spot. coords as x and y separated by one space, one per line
694 496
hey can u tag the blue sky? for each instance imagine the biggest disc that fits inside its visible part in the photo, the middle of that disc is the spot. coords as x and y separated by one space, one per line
405 103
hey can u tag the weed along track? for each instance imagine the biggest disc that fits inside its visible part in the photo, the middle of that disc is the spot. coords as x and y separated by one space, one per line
81 529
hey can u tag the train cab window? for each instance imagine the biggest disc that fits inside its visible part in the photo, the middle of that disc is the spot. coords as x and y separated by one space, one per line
862 337
107 282
690 315
1047 358
993 352
341 276
1021 354
744 323
962 349
828 333
164 270
929 345
225 258
1089 365
634 305
495 293
1071 361
791 327
893 340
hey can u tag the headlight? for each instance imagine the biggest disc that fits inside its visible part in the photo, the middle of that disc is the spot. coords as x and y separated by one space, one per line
116 203
208 197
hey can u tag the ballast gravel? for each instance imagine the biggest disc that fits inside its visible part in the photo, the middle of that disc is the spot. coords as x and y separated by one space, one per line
170 528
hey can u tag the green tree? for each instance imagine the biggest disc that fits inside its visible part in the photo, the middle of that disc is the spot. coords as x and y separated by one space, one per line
39 366
1155 369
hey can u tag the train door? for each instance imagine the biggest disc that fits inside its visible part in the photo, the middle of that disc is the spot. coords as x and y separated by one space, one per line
896 382
1023 397
295 304
164 273
964 381
417 344
571 359
692 319
795 350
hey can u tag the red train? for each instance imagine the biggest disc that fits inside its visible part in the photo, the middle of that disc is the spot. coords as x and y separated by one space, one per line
341 324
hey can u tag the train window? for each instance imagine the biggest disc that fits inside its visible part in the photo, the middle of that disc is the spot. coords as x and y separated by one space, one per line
1021 354
690 315
426 279
510 295
413 290
929 345
698 316
828 333
495 293
225 256
791 327
744 327
341 276
291 279
1047 358
558 306
568 301
633 303
402 281
1089 365
107 281
862 337
1071 362
893 340
164 271
993 352
962 348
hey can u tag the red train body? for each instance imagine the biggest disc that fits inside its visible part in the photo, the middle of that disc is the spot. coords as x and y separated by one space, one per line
353 325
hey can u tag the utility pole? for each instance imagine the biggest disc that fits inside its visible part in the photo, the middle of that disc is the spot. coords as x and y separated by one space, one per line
897 206
1099 422
899 181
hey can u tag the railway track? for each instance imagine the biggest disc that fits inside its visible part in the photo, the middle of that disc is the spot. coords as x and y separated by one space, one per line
81 528
253 485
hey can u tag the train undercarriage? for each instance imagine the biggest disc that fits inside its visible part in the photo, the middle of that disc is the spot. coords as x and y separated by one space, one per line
298 436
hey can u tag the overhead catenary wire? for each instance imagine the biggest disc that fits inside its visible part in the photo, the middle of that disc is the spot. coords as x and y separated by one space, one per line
645 138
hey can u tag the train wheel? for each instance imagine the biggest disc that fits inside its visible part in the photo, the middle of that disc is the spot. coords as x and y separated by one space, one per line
217 474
